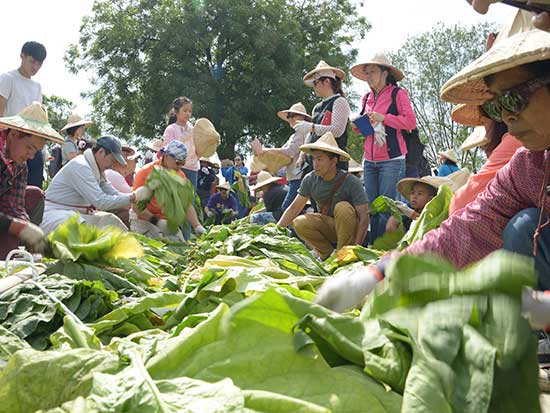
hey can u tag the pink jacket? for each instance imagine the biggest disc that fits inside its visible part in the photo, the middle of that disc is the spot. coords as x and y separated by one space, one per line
475 231
405 120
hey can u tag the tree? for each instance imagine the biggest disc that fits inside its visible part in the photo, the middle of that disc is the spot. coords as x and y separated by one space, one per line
428 61
59 110
240 61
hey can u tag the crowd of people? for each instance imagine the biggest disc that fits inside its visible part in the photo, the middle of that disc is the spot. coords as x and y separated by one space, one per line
310 184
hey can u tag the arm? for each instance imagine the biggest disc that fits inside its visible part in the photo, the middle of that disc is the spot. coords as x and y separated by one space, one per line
406 119
362 212
192 217
169 135
339 120
292 146
292 211
3 103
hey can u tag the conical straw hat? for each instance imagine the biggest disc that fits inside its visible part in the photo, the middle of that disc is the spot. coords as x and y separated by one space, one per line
264 178
379 59
76 120
354 167
34 120
206 138
477 138
326 143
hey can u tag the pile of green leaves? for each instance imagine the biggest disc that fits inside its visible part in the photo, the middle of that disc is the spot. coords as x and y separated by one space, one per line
389 240
173 194
73 240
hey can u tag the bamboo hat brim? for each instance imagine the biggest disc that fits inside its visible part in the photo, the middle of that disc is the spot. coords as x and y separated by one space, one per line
32 120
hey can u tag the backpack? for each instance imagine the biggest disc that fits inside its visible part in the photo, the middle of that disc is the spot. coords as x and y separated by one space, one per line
56 161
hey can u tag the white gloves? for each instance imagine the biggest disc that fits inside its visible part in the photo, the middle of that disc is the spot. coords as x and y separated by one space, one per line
205 170
143 193
31 235
162 225
404 209
303 127
209 213
199 230
535 305
347 289
379 134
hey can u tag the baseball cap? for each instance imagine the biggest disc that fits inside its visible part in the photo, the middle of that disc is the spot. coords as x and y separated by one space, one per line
113 145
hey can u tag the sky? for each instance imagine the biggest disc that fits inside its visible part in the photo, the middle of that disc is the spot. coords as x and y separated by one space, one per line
56 24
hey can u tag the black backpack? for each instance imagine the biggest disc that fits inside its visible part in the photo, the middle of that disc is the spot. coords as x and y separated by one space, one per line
56 161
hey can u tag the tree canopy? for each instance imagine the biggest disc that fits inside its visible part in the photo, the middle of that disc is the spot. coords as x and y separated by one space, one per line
240 61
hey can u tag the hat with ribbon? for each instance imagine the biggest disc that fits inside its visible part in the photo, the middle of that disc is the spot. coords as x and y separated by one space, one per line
76 120
32 120
323 70
326 143
379 59
206 138
296 109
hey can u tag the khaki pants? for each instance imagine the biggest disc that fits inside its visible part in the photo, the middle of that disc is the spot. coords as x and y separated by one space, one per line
321 231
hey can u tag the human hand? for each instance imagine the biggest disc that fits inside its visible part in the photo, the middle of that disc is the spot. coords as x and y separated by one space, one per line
209 213
31 235
143 193
199 230
205 170
405 209
256 146
535 305
303 127
375 117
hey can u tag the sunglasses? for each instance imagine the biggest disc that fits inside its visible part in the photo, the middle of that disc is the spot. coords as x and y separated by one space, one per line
514 100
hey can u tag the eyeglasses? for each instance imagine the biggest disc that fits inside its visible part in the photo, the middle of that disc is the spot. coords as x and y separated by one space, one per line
514 100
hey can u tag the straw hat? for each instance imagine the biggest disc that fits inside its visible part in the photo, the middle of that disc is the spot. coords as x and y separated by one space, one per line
405 186
450 154
34 120
155 145
263 179
323 70
269 160
326 143
297 109
379 59
225 186
76 120
206 138
477 138
468 115
354 167
518 43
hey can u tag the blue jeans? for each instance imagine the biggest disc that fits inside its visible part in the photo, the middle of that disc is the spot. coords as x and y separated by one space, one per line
193 176
263 218
293 187
380 178
518 237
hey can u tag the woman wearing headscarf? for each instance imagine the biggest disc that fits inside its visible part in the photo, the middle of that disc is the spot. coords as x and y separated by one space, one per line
390 113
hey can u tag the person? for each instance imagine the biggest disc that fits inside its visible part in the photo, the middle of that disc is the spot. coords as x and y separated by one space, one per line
418 192
181 129
356 169
152 221
291 148
75 130
539 20
343 218
207 180
329 115
390 112
511 82
230 167
273 194
80 187
21 206
222 205
17 91
449 162
493 138
153 150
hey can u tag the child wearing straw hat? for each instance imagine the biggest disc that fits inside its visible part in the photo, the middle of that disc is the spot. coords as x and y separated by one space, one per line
273 195
26 134
343 216
511 81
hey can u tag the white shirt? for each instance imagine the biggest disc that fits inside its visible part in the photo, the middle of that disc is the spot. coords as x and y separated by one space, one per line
19 91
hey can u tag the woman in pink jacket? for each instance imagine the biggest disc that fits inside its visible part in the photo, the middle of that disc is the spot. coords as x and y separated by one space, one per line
390 112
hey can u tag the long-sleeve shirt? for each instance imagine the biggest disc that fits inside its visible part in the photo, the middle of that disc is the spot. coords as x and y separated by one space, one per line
404 120
291 148
477 183
183 134
13 182
475 231
229 173
339 118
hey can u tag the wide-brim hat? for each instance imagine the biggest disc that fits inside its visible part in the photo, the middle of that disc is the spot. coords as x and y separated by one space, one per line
213 160
517 44
297 109
477 138
379 59
468 115
450 154
326 143
76 120
224 185
206 138
155 145
323 69
33 120
269 160
354 167
264 178
405 186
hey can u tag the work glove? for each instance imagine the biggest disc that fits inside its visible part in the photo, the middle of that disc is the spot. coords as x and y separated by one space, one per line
199 230
379 134
404 209
535 306
303 127
209 213
143 193
31 235
162 225
205 170
347 289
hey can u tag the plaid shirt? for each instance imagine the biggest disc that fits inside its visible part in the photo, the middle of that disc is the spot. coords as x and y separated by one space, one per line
13 182
476 230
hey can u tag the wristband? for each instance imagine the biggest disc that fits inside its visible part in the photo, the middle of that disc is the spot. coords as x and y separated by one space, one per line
154 220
